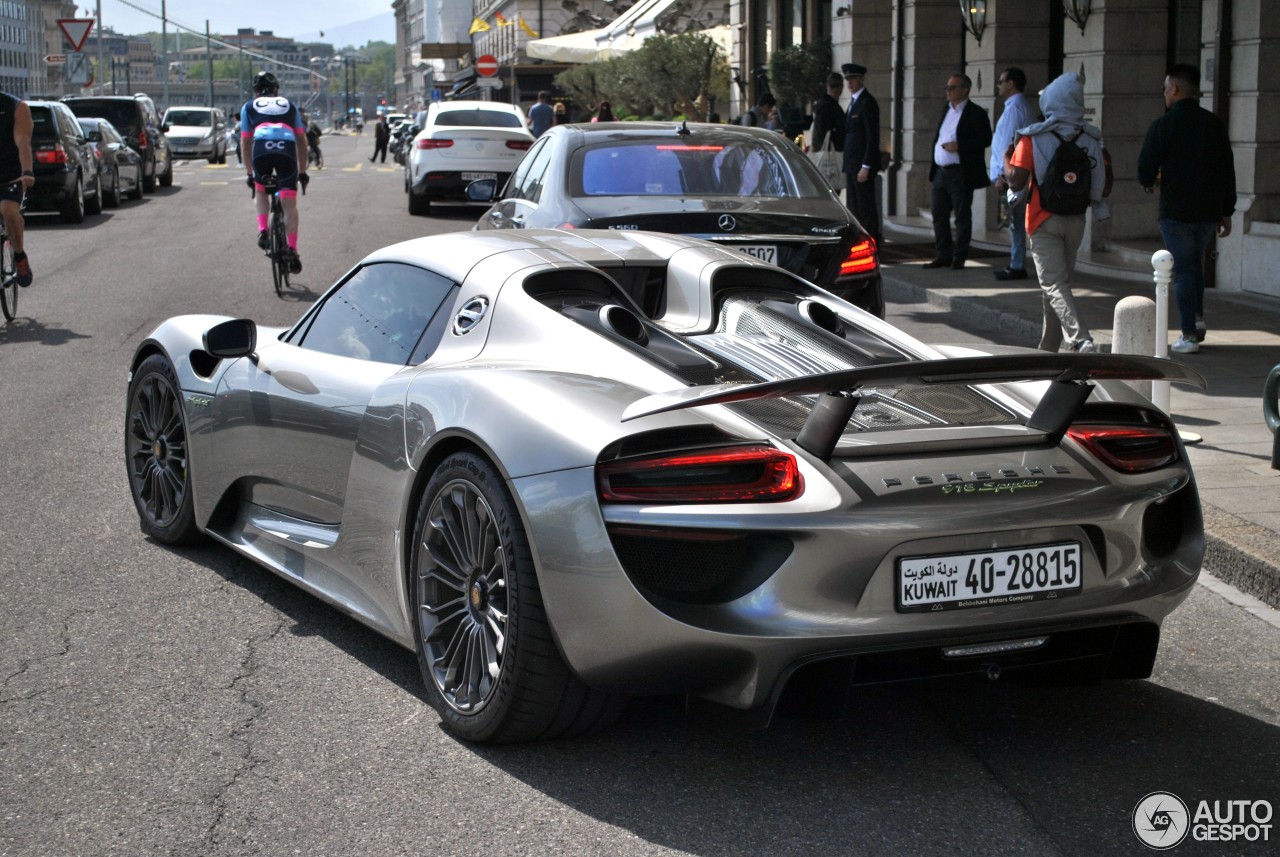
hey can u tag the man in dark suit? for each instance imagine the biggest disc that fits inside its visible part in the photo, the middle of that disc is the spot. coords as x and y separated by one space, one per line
861 150
828 117
959 168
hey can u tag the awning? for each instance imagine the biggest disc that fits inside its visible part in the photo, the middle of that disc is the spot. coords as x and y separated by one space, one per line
627 33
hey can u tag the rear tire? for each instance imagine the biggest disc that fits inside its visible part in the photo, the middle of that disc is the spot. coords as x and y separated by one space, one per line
166 180
94 205
156 454
484 645
419 206
149 181
279 265
8 282
73 209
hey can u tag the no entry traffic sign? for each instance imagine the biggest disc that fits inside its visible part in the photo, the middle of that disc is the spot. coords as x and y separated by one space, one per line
487 65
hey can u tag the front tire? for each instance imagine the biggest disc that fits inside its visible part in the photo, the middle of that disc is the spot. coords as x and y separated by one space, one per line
73 209
156 454
484 644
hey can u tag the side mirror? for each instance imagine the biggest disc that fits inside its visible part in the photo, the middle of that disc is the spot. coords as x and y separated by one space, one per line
164 128
482 190
235 338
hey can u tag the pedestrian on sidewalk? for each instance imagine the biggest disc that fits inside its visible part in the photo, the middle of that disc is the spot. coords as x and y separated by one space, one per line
1187 152
861 150
964 133
1057 199
1017 114
381 137
541 115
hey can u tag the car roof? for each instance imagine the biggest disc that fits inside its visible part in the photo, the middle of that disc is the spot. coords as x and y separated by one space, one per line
445 106
590 247
595 132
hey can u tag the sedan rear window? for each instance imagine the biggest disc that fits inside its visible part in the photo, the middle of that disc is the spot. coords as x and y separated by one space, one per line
43 125
478 118
122 114
673 168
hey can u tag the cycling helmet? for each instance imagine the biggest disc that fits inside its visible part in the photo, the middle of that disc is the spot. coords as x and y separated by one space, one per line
265 83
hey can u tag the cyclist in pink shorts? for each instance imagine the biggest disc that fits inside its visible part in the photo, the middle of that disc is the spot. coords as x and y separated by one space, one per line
273 141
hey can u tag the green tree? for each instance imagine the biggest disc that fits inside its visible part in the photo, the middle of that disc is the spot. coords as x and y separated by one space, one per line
798 73
667 75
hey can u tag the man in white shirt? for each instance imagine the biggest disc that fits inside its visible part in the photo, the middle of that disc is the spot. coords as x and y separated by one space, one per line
1017 114
959 168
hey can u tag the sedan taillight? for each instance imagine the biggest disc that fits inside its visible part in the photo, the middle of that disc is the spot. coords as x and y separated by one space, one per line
433 143
756 473
519 144
861 258
54 154
1128 449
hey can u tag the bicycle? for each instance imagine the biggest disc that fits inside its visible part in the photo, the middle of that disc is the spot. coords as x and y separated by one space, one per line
8 271
277 244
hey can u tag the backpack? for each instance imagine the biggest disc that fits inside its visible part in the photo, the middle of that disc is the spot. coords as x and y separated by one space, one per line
1068 181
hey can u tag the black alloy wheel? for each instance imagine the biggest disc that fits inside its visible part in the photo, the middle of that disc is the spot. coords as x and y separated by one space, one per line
73 208
484 645
156 454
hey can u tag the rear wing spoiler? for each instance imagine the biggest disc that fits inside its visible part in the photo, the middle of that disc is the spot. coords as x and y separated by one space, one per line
1069 376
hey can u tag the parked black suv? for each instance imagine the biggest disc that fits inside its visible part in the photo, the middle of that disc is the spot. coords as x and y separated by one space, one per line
136 118
67 177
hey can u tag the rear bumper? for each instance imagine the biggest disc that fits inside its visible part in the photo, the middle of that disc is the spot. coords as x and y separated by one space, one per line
51 190
446 184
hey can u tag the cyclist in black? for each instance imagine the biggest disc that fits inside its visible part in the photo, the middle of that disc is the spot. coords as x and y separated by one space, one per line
16 173
273 140
313 138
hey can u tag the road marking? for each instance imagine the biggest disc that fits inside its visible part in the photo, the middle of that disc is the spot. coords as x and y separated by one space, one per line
214 184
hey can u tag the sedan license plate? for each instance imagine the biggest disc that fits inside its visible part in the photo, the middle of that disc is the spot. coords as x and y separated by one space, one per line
988 578
763 252
475 177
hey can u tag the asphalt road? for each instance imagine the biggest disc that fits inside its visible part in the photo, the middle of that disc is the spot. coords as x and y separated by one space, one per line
185 702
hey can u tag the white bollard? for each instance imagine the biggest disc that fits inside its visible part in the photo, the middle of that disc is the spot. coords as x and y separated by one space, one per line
1162 262
1133 332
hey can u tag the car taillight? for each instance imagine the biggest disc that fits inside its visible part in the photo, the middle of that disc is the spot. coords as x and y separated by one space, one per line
54 154
861 258
142 139
519 144
1128 449
733 474
434 143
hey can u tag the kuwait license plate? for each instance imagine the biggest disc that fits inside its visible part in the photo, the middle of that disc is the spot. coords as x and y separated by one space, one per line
475 177
987 578
763 252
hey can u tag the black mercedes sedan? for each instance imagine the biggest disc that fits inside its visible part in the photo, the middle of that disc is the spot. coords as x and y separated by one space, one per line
746 188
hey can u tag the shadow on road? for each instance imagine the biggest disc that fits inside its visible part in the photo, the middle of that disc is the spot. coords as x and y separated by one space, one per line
900 770
23 329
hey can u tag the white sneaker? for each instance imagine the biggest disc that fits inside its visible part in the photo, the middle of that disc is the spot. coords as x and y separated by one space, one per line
1184 346
1085 346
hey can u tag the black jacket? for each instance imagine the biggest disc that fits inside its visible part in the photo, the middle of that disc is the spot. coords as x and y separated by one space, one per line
862 134
974 135
828 118
1188 147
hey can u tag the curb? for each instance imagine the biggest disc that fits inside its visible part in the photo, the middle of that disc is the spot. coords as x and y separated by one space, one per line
1240 553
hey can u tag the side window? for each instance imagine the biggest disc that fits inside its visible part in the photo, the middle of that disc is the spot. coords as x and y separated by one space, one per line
531 187
512 190
378 314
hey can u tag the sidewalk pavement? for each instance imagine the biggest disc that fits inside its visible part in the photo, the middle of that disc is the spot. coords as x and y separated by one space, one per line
1239 491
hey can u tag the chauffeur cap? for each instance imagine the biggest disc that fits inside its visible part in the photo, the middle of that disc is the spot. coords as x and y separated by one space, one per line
851 69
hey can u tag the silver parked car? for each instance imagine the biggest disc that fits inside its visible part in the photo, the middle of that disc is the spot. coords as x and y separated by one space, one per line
570 466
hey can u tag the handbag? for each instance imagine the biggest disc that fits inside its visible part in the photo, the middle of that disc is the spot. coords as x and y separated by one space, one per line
830 162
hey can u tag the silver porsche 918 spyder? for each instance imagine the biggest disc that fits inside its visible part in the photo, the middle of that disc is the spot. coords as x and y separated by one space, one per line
566 467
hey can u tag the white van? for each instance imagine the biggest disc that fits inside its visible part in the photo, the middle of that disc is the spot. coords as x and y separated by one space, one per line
197 132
